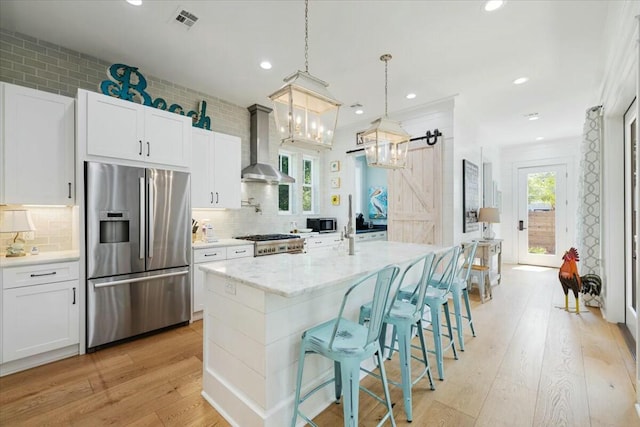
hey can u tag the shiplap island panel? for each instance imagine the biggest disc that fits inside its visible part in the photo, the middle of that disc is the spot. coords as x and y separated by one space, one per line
255 312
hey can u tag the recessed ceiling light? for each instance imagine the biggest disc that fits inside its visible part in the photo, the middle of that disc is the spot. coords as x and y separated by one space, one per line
532 116
492 5
411 95
539 138
359 111
520 80
265 65
135 2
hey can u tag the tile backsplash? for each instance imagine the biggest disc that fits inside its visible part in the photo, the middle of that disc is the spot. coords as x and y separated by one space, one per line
54 229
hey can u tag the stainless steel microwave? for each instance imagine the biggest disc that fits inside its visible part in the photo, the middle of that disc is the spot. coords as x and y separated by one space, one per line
322 225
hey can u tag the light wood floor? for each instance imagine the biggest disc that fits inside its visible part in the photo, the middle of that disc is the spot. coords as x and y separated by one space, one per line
531 364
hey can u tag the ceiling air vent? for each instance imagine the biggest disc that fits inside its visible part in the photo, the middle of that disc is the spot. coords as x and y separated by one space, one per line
186 18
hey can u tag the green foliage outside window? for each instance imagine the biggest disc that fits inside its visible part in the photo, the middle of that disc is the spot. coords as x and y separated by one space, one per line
284 190
542 188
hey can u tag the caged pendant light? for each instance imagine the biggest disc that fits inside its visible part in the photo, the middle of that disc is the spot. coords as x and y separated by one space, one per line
306 113
386 143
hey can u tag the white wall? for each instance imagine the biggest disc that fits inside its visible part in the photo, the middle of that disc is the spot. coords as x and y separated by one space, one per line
619 87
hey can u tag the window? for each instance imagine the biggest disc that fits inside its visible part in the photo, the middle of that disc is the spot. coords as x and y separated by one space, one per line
285 191
309 187
300 197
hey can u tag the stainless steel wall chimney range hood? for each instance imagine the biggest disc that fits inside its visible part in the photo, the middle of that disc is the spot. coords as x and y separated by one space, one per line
259 170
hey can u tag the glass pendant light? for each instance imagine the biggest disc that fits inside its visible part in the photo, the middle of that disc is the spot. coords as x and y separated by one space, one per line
386 143
306 113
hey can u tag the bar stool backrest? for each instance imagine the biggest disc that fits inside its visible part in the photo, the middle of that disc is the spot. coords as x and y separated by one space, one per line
380 305
445 269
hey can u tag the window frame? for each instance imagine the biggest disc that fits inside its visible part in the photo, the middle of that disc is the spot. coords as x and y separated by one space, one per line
291 172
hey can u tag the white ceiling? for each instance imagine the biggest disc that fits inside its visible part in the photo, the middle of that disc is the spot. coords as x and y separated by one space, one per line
439 48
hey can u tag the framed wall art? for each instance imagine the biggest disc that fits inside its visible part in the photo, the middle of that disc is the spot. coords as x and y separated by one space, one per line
334 166
470 196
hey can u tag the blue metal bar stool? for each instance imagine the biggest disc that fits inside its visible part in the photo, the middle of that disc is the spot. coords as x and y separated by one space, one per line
348 343
459 291
437 298
405 314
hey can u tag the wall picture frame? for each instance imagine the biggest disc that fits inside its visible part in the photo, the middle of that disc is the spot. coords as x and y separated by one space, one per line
334 166
335 200
335 182
470 196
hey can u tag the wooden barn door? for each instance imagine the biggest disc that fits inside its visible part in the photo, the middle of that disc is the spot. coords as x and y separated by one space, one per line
415 198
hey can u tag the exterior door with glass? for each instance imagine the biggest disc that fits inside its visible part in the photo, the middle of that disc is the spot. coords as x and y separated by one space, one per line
631 216
542 215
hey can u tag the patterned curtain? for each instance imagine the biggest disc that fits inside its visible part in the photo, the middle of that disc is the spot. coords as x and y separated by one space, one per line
589 191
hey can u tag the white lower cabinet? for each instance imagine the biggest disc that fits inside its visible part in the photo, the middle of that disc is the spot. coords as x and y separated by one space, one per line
330 240
39 318
371 236
203 255
40 313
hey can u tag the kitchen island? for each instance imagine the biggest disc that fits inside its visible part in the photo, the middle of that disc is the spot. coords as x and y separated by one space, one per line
255 312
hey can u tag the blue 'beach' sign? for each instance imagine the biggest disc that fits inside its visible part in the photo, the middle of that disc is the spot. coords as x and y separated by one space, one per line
128 83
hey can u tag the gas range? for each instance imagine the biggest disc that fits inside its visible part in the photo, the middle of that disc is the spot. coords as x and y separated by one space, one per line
271 244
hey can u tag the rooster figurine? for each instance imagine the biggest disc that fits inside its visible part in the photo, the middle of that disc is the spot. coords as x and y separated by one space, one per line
569 277
590 284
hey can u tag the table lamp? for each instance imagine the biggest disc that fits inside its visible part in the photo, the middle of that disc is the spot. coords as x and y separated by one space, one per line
15 221
489 216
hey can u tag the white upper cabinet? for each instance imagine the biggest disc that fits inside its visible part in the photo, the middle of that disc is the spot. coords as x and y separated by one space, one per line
37 147
215 170
126 130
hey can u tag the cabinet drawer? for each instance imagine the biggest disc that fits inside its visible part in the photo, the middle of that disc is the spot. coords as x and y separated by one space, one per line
239 251
16 277
211 254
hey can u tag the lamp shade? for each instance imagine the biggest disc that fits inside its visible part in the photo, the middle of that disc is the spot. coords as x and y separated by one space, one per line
14 221
386 144
306 113
490 215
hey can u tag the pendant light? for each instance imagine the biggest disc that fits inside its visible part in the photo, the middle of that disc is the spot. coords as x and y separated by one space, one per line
306 113
386 143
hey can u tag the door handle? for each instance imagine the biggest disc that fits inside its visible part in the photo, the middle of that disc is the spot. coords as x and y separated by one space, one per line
521 225
212 197
140 142
151 220
148 148
217 198
139 279
43 274
74 296
69 190
142 218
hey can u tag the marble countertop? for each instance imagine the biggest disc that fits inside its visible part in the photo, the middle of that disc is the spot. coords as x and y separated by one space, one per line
199 244
41 258
290 275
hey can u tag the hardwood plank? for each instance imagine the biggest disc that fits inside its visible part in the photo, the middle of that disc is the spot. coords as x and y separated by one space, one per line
191 410
508 404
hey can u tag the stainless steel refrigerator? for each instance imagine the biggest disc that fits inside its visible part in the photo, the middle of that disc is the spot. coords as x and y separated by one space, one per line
138 243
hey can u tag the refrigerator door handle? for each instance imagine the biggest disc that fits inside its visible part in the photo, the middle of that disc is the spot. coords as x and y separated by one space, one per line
151 220
139 279
142 218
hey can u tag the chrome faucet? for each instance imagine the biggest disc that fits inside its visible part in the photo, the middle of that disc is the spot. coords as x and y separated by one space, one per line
350 232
